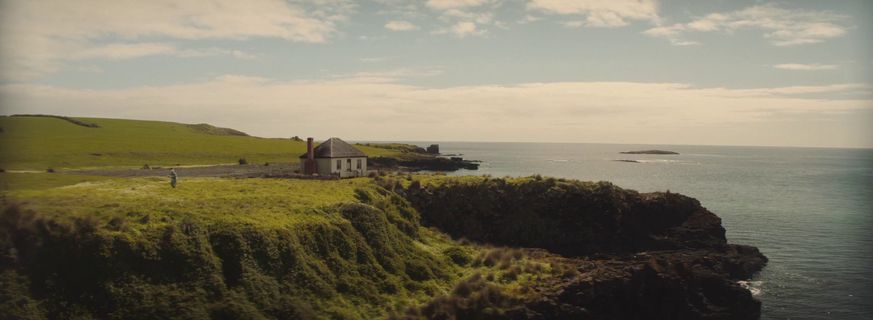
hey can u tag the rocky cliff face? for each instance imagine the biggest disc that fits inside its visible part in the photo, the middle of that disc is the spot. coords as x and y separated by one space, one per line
638 256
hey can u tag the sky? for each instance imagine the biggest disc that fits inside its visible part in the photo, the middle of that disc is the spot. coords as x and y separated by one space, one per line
705 72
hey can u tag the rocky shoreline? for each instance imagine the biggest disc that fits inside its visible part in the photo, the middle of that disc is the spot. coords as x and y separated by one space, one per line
421 163
636 255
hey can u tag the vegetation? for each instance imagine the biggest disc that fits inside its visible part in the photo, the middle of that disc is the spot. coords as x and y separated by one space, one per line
86 246
68 119
249 248
134 248
82 246
400 147
37 143
565 216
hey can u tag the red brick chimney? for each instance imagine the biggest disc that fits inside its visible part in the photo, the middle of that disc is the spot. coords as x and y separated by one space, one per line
310 165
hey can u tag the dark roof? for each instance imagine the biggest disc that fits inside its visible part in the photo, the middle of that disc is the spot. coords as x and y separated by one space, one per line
335 148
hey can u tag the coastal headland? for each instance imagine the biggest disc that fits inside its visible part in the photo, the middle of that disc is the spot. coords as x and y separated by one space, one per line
84 243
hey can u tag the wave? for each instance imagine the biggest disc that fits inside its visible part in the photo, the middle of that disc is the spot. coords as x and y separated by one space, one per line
755 287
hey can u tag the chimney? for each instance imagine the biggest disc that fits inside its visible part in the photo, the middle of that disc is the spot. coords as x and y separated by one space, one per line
309 154
309 165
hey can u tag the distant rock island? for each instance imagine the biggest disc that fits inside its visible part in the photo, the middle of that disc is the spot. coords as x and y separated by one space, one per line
649 152
627 160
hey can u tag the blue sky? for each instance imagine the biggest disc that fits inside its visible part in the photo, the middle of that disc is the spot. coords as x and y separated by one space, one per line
797 73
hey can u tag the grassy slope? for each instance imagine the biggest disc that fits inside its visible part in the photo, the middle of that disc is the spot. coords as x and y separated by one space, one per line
295 253
37 143
276 248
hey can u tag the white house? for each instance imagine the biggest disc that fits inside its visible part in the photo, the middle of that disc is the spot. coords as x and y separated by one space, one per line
333 157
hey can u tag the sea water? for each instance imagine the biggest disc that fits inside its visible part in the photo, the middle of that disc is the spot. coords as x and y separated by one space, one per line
810 210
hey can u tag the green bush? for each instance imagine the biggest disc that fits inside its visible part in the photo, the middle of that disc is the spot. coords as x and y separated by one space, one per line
458 255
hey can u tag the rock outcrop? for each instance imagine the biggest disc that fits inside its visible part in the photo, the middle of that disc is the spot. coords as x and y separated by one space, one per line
638 255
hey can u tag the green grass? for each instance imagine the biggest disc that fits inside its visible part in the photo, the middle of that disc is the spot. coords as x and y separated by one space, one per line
235 248
273 246
38 143
261 202
41 181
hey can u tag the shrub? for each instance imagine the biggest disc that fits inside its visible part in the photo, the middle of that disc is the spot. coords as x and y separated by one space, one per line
458 255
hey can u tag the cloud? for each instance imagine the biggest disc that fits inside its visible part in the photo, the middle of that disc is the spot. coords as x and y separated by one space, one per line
123 51
361 104
375 59
38 36
464 18
573 24
462 29
465 28
781 26
805 67
601 13
399 25
455 4
528 19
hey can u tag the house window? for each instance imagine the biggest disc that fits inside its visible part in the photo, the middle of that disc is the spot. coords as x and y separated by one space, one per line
348 164
359 164
339 164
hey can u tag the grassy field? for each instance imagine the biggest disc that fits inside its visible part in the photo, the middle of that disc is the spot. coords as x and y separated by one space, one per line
83 246
233 248
39 143
261 202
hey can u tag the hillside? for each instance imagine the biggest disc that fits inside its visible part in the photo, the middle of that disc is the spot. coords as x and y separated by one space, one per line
366 248
38 143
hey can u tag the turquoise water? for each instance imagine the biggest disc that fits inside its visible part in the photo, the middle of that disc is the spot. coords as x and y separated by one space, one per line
809 210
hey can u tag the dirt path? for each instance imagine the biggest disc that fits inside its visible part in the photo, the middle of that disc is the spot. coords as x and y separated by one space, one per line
250 170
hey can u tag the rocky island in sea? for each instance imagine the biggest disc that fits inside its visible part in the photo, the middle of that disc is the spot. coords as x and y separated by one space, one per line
649 152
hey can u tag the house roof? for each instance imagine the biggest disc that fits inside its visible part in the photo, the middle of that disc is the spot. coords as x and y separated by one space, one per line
335 148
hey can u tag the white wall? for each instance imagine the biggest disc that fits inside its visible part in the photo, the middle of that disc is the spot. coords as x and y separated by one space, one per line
328 166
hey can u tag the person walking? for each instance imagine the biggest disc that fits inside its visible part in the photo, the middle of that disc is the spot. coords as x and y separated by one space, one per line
173 177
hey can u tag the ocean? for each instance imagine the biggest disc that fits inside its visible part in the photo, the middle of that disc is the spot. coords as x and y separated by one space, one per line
810 210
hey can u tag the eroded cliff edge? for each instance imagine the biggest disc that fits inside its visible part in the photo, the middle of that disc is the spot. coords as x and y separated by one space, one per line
636 255
522 248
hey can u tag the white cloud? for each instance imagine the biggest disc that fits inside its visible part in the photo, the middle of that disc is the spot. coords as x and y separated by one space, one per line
399 25
456 4
805 67
123 51
462 29
528 19
573 24
465 28
558 111
39 35
601 13
465 18
781 26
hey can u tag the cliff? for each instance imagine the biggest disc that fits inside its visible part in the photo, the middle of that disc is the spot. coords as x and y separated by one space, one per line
404 247
638 255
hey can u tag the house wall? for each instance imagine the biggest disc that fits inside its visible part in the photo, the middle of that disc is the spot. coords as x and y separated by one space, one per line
328 166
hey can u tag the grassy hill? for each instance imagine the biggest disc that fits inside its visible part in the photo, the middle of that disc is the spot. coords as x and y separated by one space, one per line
133 248
38 143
